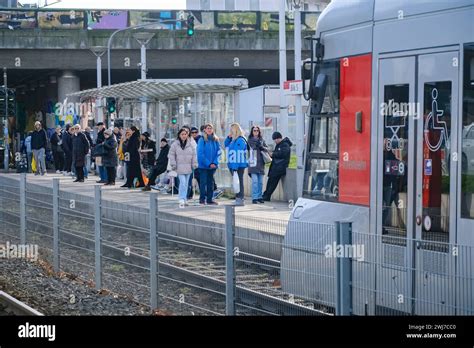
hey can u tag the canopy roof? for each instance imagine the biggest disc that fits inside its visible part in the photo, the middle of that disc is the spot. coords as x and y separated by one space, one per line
162 89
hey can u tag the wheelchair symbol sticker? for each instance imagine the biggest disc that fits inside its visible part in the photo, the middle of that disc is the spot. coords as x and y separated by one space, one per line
434 122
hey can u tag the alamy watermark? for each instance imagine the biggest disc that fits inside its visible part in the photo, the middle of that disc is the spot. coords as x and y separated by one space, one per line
19 251
353 251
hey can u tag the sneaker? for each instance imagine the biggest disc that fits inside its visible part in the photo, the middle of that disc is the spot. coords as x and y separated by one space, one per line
217 194
255 201
146 188
261 201
58 172
212 203
239 202
182 202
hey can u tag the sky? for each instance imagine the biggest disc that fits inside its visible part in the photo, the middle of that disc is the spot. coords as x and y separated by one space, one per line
112 4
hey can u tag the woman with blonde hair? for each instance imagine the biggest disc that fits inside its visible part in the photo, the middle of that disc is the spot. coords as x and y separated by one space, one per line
208 151
237 157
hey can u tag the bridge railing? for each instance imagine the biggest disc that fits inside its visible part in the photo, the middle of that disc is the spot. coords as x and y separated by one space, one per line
20 19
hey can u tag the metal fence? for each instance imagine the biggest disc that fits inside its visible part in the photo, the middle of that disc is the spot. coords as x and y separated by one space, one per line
215 261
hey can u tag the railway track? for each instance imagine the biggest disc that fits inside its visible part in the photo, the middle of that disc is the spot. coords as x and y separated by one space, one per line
11 306
203 265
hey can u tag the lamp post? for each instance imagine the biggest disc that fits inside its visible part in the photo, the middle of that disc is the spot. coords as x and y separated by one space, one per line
300 119
6 155
143 39
283 124
99 52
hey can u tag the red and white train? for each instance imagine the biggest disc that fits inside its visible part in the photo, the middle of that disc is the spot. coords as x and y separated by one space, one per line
391 149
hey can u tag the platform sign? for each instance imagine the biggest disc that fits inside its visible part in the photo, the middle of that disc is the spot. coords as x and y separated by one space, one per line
293 87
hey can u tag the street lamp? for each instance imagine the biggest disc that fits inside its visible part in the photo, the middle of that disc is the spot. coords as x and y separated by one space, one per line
99 52
143 39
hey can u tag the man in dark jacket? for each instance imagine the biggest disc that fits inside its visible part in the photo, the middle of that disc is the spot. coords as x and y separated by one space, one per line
100 140
39 141
80 148
67 148
160 165
280 161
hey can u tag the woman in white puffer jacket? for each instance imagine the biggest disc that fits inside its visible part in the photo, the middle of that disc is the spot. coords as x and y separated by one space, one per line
183 159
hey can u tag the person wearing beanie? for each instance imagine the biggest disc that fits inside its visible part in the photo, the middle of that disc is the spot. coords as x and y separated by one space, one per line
280 161
110 160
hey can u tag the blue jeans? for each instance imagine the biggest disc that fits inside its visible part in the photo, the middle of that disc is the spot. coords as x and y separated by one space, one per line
206 185
183 186
257 186
102 173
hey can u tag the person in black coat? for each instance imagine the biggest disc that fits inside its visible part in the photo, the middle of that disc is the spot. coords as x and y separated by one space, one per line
280 161
58 153
80 148
39 142
148 150
160 166
110 160
67 148
132 157
100 139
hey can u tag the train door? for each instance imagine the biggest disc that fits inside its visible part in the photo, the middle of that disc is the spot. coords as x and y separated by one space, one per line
436 193
396 191
417 188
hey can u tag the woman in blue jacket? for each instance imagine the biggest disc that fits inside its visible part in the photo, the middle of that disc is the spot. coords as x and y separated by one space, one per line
237 157
208 151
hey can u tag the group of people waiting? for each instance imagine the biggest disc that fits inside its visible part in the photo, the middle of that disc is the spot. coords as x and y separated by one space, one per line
194 155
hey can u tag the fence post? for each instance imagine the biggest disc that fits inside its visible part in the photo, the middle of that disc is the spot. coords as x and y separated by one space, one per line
344 270
153 252
56 225
23 208
229 259
97 234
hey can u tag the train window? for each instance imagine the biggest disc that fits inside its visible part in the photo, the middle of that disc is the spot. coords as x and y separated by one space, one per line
436 140
467 166
395 153
325 135
321 174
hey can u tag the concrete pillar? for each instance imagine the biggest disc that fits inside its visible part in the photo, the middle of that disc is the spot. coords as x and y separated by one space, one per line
68 82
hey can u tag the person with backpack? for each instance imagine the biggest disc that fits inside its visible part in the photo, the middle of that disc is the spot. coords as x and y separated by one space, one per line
237 158
110 159
39 142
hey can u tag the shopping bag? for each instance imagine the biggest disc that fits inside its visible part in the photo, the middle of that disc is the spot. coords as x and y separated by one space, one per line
33 164
236 182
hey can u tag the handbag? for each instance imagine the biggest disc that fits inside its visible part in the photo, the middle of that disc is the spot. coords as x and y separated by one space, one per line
99 150
236 182
266 157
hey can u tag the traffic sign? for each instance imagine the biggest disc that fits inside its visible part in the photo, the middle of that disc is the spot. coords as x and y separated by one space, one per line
293 87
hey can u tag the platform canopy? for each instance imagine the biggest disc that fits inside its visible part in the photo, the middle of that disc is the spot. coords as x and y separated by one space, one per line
162 89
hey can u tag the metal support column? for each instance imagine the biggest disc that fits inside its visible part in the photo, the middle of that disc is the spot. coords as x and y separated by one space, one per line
97 234
229 259
344 271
